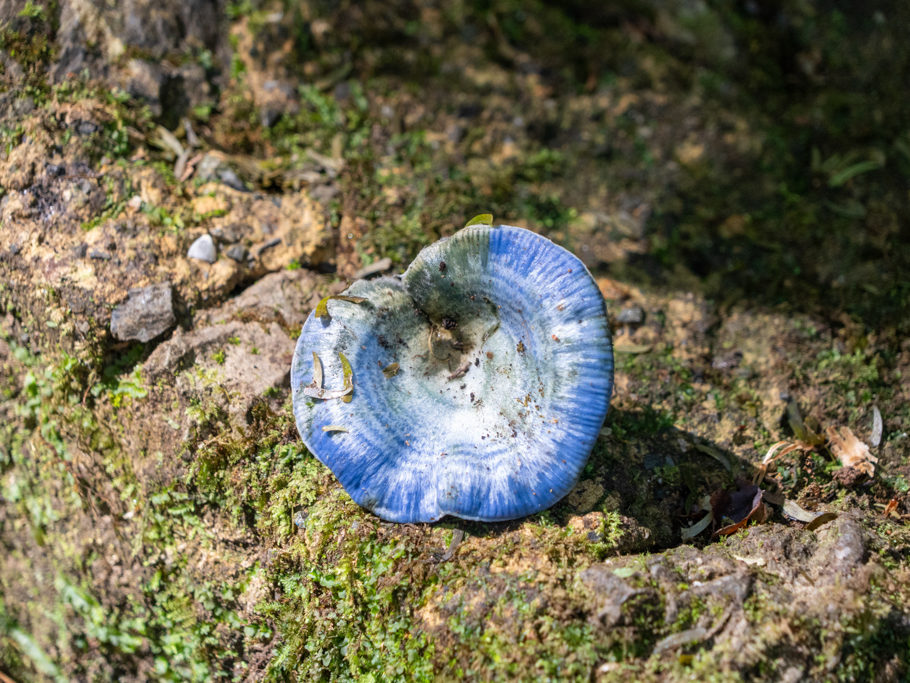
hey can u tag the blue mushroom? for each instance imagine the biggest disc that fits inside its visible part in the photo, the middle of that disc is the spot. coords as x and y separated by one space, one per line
473 385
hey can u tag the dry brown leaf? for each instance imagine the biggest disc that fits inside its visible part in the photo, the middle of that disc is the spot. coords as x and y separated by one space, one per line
773 453
823 518
850 450
813 519
740 507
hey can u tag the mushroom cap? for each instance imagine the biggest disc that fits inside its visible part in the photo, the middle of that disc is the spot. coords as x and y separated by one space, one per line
503 379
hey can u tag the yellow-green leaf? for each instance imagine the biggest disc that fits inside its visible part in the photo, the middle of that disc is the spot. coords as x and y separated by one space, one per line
347 375
317 371
481 219
390 370
314 389
322 308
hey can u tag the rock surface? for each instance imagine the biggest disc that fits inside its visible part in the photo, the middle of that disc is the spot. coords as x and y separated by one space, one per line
146 313
715 167
246 359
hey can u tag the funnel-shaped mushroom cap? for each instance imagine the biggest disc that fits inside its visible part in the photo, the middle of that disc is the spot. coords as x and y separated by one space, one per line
481 378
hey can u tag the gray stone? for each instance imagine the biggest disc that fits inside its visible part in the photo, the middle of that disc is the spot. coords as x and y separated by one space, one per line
230 178
92 35
147 312
842 549
237 252
677 640
86 127
228 233
207 167
654 460
727 361
146 80
197 89
631 315
203 249
274 242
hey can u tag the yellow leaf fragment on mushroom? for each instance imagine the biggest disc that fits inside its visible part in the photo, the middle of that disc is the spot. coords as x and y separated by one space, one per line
322 308
390 370
850 450
315 390
334 428
348 375
317 371
481 219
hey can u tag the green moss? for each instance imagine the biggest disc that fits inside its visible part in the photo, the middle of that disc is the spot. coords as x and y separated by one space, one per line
27 38
876 645
609 534
241 547
172 614
351 607
848 370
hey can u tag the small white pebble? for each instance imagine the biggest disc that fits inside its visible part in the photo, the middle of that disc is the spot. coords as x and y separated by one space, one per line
203 249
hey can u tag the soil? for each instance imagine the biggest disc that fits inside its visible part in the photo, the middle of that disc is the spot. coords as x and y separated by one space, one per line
733 175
